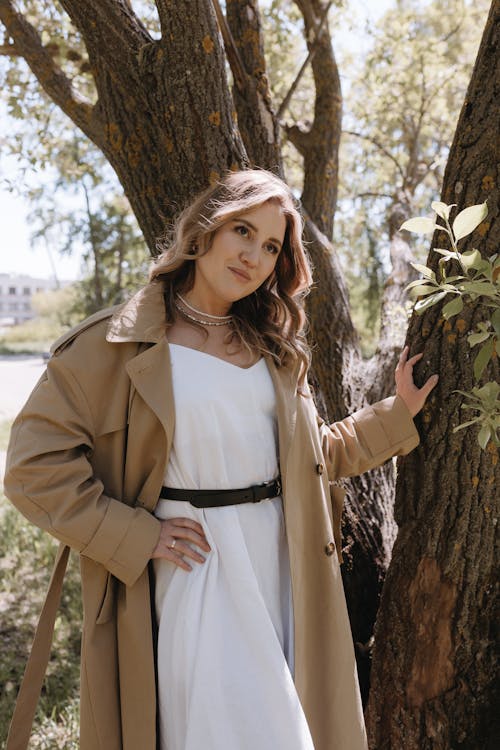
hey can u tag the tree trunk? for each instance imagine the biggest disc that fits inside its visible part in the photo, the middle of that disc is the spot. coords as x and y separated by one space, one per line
166 119
433 669
257 121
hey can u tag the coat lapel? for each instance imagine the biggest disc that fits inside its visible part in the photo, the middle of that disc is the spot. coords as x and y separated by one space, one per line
285 386
142 320
151 376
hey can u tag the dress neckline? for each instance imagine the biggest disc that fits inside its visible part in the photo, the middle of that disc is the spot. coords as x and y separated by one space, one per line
219 359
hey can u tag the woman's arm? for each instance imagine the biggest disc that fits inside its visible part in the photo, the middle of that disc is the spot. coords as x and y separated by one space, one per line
50 479
372 435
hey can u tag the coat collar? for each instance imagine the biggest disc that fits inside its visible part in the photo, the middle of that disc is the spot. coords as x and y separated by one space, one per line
141 319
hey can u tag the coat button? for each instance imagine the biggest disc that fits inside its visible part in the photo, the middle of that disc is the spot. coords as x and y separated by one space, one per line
319 468
330 549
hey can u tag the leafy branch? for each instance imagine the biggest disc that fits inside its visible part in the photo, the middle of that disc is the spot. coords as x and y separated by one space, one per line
477 278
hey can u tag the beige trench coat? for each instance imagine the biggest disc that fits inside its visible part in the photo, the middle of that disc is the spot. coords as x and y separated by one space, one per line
86 462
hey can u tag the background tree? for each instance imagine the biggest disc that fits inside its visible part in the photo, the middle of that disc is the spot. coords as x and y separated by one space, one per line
399 122
433 637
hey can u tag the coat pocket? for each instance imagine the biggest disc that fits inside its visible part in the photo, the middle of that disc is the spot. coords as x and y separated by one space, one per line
106 610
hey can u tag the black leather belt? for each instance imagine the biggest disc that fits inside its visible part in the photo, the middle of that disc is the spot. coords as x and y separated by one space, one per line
218 498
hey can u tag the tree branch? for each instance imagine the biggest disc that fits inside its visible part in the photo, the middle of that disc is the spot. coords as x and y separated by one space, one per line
321 148
374 195
381 148
233 56
50 76
11 50
312 51
299 137
112 32
257 122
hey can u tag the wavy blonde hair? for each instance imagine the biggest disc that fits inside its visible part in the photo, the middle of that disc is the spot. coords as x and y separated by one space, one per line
271 320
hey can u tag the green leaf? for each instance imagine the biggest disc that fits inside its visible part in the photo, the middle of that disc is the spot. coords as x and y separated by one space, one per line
495 321
488 393
468 219
425 282
453 307
484 436
424 271
442 209
419 224
420 290
466 424
472 259
484 356
423 304
447 254
477 338
479 287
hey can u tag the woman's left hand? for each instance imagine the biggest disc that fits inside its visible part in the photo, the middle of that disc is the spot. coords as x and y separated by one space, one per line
413 397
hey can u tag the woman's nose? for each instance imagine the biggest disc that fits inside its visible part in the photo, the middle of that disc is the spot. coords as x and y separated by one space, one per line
250 255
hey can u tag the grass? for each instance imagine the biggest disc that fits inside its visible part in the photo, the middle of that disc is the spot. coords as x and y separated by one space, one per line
5 425
26 558
25 347
32 337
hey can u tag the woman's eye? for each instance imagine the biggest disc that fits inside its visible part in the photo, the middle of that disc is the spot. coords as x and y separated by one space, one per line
241 229
273 249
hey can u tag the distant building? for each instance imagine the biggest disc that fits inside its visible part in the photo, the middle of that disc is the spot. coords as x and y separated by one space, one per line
16 292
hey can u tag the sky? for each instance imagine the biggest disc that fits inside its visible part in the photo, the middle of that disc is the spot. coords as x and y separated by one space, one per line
16 253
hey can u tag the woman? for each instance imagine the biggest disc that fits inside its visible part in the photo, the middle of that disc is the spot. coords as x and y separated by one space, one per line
196 390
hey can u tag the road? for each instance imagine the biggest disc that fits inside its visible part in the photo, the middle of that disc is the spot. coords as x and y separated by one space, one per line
18 375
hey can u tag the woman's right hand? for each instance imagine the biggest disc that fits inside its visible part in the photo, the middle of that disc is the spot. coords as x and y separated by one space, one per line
178 532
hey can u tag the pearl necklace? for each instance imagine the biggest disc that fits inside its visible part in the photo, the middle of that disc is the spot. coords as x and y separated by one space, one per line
200 312
217 320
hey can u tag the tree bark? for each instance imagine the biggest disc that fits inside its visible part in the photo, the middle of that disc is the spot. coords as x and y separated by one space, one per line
164 116
319 145
379 377
257 121
433 670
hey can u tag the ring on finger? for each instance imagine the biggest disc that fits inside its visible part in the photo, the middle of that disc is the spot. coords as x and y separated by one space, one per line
174 542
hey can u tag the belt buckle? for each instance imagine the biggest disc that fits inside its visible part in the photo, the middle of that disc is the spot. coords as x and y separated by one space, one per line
278 486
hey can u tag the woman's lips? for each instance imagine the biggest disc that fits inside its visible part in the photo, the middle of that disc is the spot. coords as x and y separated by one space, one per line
240 273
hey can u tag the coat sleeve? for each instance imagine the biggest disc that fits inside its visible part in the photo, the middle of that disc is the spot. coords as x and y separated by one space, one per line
50 479
368 438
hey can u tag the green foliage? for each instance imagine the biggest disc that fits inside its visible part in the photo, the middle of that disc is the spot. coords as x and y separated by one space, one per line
76 198
486 401
32 337
26 558
57 305
4 433
402 99
479 280
57 311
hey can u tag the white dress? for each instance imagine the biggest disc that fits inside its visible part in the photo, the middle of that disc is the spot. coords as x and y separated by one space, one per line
225 642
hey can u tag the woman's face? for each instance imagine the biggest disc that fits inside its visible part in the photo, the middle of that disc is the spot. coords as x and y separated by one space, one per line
243 254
